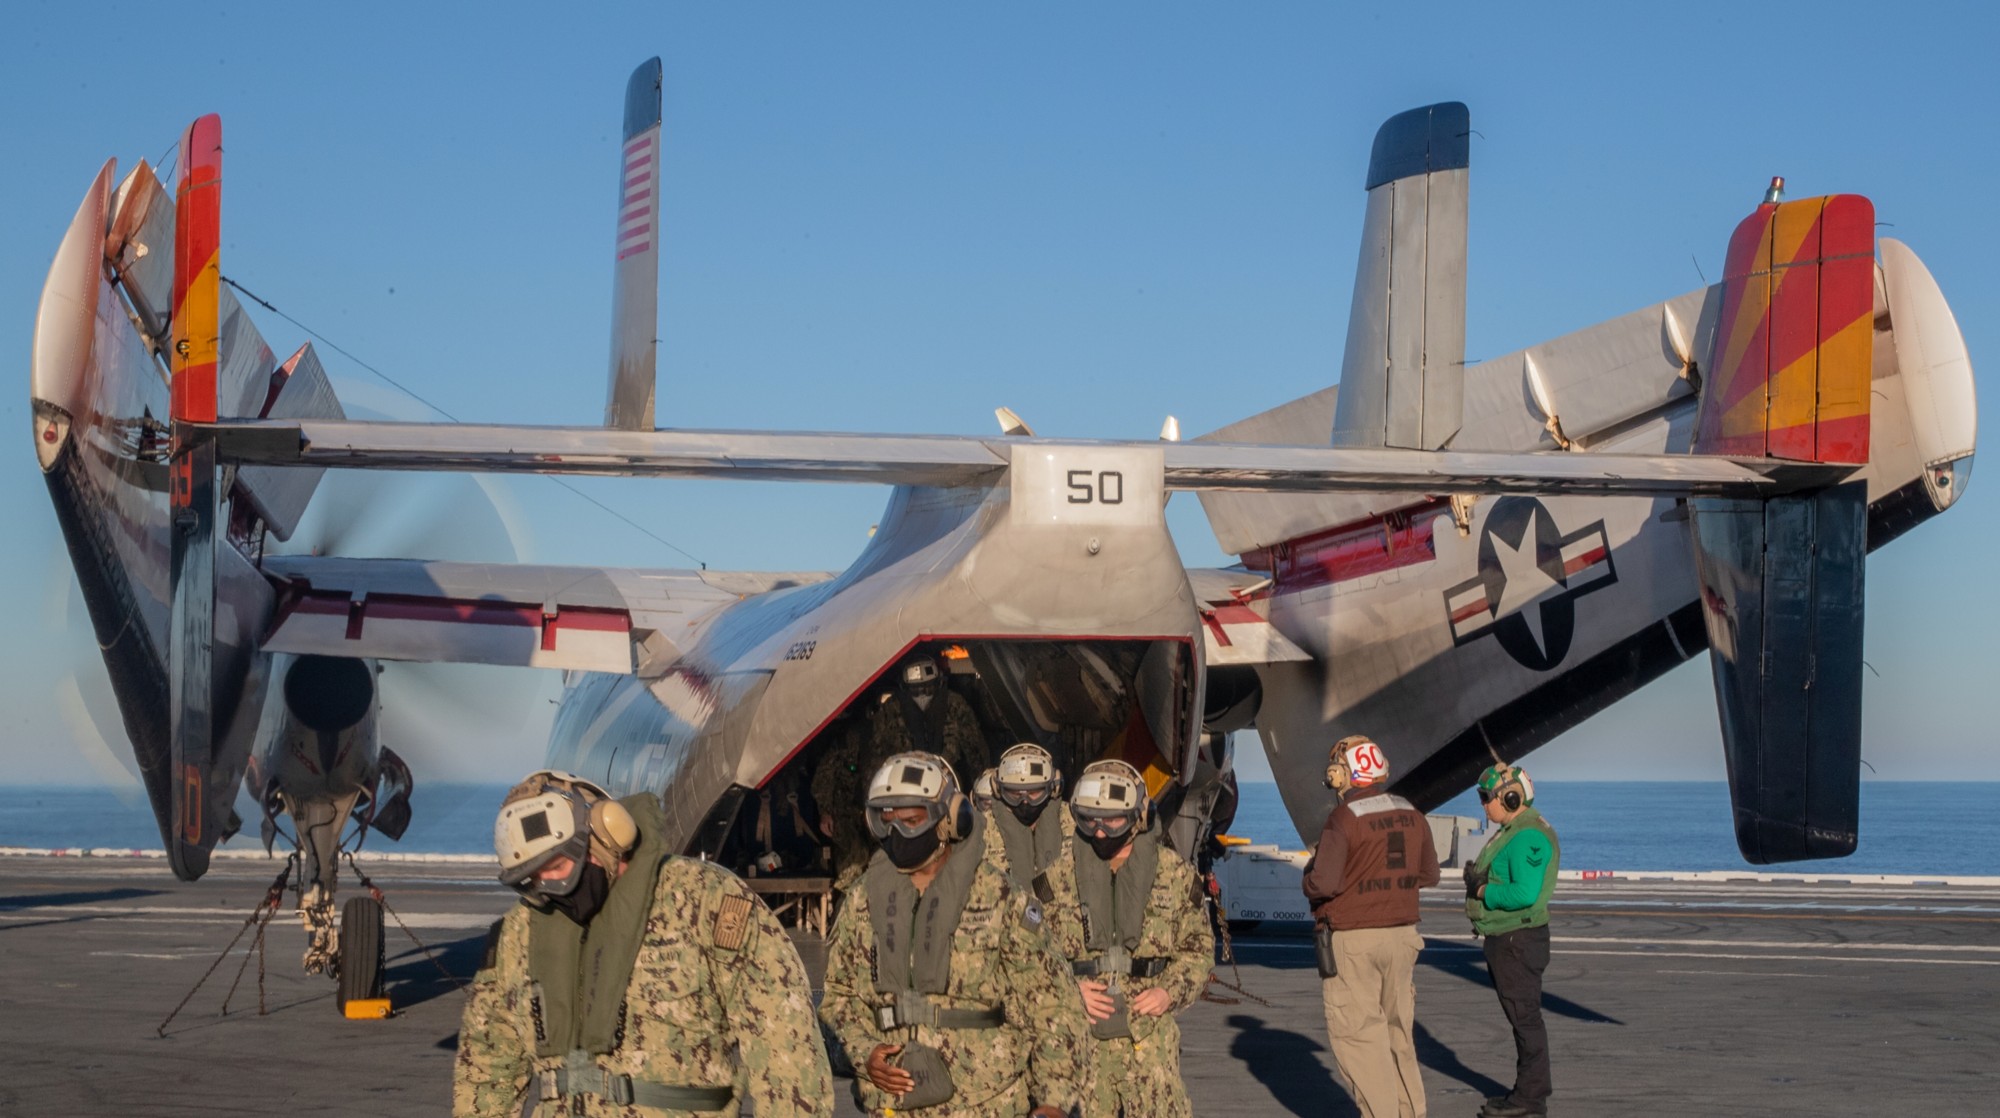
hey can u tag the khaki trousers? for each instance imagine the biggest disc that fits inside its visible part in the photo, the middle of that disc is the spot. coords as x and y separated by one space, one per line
1370 1010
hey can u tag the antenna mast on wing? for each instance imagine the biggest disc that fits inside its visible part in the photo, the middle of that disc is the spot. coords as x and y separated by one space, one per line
635 285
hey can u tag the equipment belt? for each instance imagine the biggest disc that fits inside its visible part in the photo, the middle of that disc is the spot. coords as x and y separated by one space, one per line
912 1008
1149 966
623 1090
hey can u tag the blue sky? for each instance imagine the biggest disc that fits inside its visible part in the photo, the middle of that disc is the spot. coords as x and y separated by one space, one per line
897 216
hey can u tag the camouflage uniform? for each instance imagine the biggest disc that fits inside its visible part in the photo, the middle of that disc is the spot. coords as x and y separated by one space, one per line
697 1012
837 787
1000 957
842 777
1023 877
1142 1073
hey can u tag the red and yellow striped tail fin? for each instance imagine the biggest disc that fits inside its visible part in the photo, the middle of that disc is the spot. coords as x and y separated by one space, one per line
1789 370
197 271
202 789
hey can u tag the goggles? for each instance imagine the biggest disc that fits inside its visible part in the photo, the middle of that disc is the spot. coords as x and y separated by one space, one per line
1110 826
1023 797
879 823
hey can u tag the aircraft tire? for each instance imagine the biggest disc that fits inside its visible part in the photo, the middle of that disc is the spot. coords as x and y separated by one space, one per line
360 951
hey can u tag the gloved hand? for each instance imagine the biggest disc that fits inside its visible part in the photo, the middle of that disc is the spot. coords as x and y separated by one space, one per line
1474 878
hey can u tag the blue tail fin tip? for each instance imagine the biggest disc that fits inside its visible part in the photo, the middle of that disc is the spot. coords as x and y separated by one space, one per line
642 97
1420 141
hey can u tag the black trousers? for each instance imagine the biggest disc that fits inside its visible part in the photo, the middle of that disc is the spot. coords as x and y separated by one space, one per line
1516 961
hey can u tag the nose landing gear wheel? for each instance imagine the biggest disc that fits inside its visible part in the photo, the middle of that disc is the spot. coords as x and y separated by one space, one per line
360 952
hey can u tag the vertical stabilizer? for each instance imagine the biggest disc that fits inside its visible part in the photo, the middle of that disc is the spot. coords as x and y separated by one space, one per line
200 807
1782 580
1403 375
635 285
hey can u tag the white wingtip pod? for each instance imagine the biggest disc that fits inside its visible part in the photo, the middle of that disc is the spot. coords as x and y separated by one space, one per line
1936 372
65 324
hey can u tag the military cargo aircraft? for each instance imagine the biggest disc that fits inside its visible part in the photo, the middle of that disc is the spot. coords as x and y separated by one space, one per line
1461 561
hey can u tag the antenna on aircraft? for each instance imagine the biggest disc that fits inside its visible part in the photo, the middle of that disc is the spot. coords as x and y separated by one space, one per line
1776 193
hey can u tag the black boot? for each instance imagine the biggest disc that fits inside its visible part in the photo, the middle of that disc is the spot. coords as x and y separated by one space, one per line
1506 1107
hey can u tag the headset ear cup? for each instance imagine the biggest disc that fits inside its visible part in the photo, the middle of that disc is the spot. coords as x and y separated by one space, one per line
610 821
1512 799
958 819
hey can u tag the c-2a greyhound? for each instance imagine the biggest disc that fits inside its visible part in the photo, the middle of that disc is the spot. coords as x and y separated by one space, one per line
1456 560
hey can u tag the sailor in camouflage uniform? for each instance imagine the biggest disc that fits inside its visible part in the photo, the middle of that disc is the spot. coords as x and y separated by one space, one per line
919 712
940 982
1032 838
699 1005
1129 914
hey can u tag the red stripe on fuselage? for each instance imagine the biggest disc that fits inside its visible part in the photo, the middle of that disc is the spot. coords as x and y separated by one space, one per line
1383 543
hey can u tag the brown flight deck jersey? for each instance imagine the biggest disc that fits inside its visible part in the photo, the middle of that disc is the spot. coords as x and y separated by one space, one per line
1373 856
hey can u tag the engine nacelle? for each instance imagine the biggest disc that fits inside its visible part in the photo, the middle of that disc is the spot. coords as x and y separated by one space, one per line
320 741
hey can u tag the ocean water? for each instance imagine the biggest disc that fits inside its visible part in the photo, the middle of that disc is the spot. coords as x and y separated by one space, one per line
1906 827
1930 828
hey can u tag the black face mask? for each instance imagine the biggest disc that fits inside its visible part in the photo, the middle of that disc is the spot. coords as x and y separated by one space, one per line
1105 847
1028 813
908 853
582 902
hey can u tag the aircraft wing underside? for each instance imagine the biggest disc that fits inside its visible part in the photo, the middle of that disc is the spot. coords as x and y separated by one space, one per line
947 460
1236 627
597 619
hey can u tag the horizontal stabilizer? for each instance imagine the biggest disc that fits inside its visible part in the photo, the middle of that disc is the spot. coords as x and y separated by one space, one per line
950 460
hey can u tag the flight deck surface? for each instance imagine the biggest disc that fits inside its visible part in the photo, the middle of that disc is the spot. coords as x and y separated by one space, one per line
1662 998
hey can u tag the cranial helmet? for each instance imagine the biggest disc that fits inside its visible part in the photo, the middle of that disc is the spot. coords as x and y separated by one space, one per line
1355 762
1107 790
918 780
1507 783
982 790
1026 774
919 679
554 815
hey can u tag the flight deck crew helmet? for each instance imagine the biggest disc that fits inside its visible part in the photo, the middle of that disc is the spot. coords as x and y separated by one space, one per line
1507 783
1110 800
918 780
554 815
1355 762
919 678
982 791
1027 775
